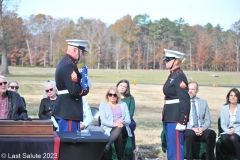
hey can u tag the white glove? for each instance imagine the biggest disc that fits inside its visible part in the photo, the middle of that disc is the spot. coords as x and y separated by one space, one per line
55 123
180 127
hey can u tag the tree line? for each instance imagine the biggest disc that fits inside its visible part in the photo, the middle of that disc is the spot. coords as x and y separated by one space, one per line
130 43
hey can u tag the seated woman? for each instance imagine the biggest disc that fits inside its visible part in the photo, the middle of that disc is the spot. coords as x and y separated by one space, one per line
124 89
49 97
115 120
13 86
230 122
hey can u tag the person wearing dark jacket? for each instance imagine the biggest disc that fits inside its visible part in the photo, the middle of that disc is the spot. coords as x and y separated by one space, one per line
11 104
13 86
68 107
49 98
177 105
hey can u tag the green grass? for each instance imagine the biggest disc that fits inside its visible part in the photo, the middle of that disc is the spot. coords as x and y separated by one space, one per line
148 125
31 80
160 76
141 76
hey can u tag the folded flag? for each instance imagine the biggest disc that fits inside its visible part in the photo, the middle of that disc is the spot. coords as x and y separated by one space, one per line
85 81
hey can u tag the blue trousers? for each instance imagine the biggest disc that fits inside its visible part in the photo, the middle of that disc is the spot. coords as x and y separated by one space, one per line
67 125
132 126
175 142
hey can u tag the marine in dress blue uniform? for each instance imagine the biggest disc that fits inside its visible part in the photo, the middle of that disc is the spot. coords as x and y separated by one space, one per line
68 107
177 106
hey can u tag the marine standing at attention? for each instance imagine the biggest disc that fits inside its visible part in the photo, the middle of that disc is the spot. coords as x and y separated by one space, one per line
177 105
68 107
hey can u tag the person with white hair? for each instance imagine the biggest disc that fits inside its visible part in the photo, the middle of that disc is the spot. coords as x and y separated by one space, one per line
49 98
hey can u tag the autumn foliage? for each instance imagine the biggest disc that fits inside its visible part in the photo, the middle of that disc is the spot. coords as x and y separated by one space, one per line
129 43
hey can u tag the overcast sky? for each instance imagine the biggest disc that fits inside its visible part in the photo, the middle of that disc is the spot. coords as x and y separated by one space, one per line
223 12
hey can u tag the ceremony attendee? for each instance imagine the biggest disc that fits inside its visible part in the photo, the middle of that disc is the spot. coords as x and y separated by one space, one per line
13 86
47 103
198 125
124 90
11 104
177 105
49 98
230 123
68 109
115 120
88 118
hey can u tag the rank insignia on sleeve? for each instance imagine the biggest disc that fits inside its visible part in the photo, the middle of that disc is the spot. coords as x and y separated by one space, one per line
74 76
182 85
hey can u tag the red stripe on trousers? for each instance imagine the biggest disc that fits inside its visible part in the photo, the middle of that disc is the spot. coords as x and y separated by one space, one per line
177 145
70 125
56 146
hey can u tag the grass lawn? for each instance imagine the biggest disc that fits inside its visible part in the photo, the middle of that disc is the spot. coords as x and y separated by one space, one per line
147 93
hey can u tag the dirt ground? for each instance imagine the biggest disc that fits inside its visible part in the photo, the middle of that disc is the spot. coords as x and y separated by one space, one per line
149 103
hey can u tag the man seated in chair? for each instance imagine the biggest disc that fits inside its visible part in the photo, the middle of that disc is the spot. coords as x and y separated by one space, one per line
11 104
199 122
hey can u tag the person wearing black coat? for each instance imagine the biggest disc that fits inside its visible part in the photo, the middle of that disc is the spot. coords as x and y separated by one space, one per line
47 103
14 86
68 108
176 106
11 103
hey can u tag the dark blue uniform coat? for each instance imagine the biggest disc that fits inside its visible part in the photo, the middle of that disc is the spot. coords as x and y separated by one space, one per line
176 87
69 106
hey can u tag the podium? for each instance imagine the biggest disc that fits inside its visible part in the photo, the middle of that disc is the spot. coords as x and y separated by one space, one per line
73 146
36 140
34 128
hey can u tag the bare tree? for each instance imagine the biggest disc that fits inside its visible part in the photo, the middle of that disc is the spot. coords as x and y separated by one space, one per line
5 70
235 37
95 31
3 32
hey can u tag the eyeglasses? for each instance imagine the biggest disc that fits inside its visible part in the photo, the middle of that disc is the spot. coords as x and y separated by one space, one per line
110 95
1 83
12 87
51 89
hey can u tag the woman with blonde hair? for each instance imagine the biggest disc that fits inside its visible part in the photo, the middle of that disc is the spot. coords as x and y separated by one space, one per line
115 120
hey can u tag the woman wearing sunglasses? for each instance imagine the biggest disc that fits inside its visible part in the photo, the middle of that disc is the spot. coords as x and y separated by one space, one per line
13 86
49 97
115 120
